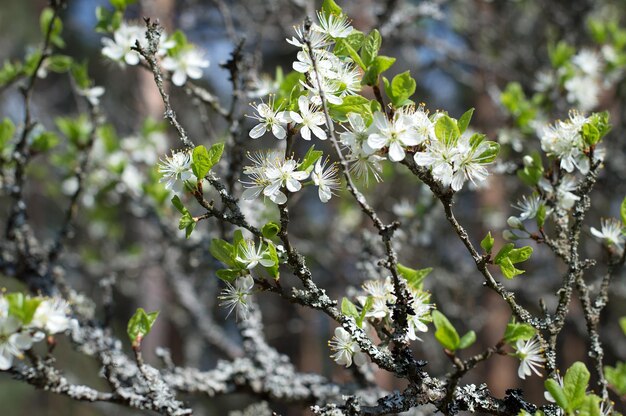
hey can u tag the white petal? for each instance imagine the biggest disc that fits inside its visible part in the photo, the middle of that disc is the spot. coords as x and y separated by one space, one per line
257 131
396 152
321 134
179 77
377 141
305 132
279 131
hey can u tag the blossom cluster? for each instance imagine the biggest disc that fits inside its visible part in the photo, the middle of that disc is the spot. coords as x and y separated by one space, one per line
180 58
272 174
25 321
377 303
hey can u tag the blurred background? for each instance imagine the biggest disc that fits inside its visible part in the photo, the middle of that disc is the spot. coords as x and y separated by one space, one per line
462 53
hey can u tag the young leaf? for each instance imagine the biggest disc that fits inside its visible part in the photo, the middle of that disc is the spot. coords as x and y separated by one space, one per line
467 340
518 331
575 385
503 253
270 230
518 255
223 251
330 7
369 302
557 393
622 324
343 43
379 65
228 275
414 278
400 89
616 376
622 211
272 254
354 40
487 243
465 120
140 325
447 130
310 158
349 309
204 160
508 269
370 47
445 334
7 128
22 307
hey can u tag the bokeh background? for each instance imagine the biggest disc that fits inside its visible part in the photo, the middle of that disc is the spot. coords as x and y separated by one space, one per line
462 54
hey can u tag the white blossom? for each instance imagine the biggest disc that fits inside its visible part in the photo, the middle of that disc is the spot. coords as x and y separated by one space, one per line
345 349
52 316
310 118
333 26
248 254
269 119
611 233
395 134
235 298
175 168
124 38
187 63
12 342
325 178
531 357
92 94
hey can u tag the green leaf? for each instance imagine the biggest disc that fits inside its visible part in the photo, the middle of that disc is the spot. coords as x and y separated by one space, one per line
622 324
447 130
9 72
400 89
503 253
204 160
44 141
108 20
487 243
140 325
60 63
349 309
270 230
56 27
187 223
178 204
380 64
351 104
343 44
465 120
557 393
7 128
445 334
519 255
467 340
560 53
77 130
369 302
272 254
622 211
22 307
223 251
415 278
310 158
228 275
508 270
330 7
80 74
354 40
590 134
590 406
616 376
122 4
575 385
541 216
490 154
370 47
518 331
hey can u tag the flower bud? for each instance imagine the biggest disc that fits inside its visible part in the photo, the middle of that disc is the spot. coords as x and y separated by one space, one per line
508 235
528 161
515 223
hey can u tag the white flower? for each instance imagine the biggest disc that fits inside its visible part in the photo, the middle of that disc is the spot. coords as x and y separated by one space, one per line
175 168
52 316
531 357
269 119
564 141
611 234
92 94
310 119
440 157
356 137
469 164
394 134
236 297
286 175
333 26
346 350
421 309
529 206
381 293
187 63
124 38
564 195
588 61
318 40
12 343
584 91
248 254
325 178
330 87
348 79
